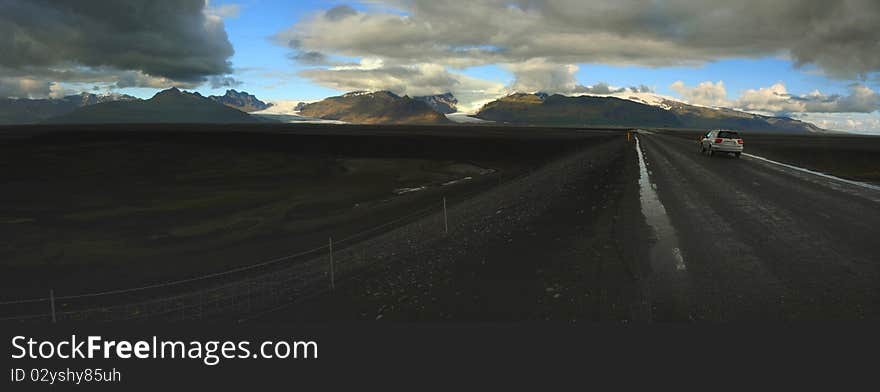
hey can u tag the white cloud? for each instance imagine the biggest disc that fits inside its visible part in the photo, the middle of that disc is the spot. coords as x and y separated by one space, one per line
539 75
704 94
366 64
858 111
868 123
773 99
776 99
838 37
56 90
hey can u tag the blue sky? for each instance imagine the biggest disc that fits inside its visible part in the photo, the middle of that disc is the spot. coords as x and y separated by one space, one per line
738 75
261 65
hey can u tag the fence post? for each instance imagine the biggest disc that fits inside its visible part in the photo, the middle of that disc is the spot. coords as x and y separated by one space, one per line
52 304
201 303
332 272
445 219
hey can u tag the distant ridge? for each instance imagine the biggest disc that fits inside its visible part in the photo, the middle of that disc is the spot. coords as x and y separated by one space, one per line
381 107
591 110
167 106
28 111
556 109
241 101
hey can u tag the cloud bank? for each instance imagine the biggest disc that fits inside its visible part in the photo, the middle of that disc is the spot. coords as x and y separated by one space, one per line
541 41
705 93
129 42
839 37
775 99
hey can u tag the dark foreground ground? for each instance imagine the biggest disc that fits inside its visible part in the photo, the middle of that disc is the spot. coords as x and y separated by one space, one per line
564 228
556 244
88 209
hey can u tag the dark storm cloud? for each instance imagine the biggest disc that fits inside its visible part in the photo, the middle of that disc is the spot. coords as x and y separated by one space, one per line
165 39
24 88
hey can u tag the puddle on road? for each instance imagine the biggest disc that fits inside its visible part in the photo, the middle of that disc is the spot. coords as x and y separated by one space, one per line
665 252
401 191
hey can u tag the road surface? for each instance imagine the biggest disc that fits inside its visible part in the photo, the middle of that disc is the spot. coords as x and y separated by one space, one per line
759 240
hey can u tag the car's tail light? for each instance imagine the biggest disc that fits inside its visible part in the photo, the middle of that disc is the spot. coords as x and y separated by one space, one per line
739 141
718 141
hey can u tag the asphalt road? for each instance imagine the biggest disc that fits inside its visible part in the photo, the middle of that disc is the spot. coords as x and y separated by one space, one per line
647 231
756 240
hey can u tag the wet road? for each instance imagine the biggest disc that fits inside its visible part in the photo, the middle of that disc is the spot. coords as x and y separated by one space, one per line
744 239
643 230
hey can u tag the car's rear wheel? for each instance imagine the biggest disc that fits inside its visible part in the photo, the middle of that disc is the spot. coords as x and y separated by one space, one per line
736 154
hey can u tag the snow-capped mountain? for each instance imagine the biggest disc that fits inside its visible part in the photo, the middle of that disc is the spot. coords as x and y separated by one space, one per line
630 110
167 106
241 101
443 103
661 101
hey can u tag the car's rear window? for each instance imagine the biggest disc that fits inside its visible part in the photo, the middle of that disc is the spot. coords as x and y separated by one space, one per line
728 135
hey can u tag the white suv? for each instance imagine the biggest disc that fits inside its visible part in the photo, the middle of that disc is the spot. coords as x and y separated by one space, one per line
721 140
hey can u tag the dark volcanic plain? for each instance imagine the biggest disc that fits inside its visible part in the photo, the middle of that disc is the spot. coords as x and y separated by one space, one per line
89 208
550 225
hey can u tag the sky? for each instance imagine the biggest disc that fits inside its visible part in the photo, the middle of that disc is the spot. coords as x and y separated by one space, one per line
814 60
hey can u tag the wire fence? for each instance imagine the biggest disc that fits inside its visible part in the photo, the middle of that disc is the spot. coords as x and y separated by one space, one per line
232 293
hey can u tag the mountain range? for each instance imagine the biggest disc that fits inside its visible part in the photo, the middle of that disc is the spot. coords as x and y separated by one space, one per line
28 111
383 107
443 103
241 101
167 106
586 110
